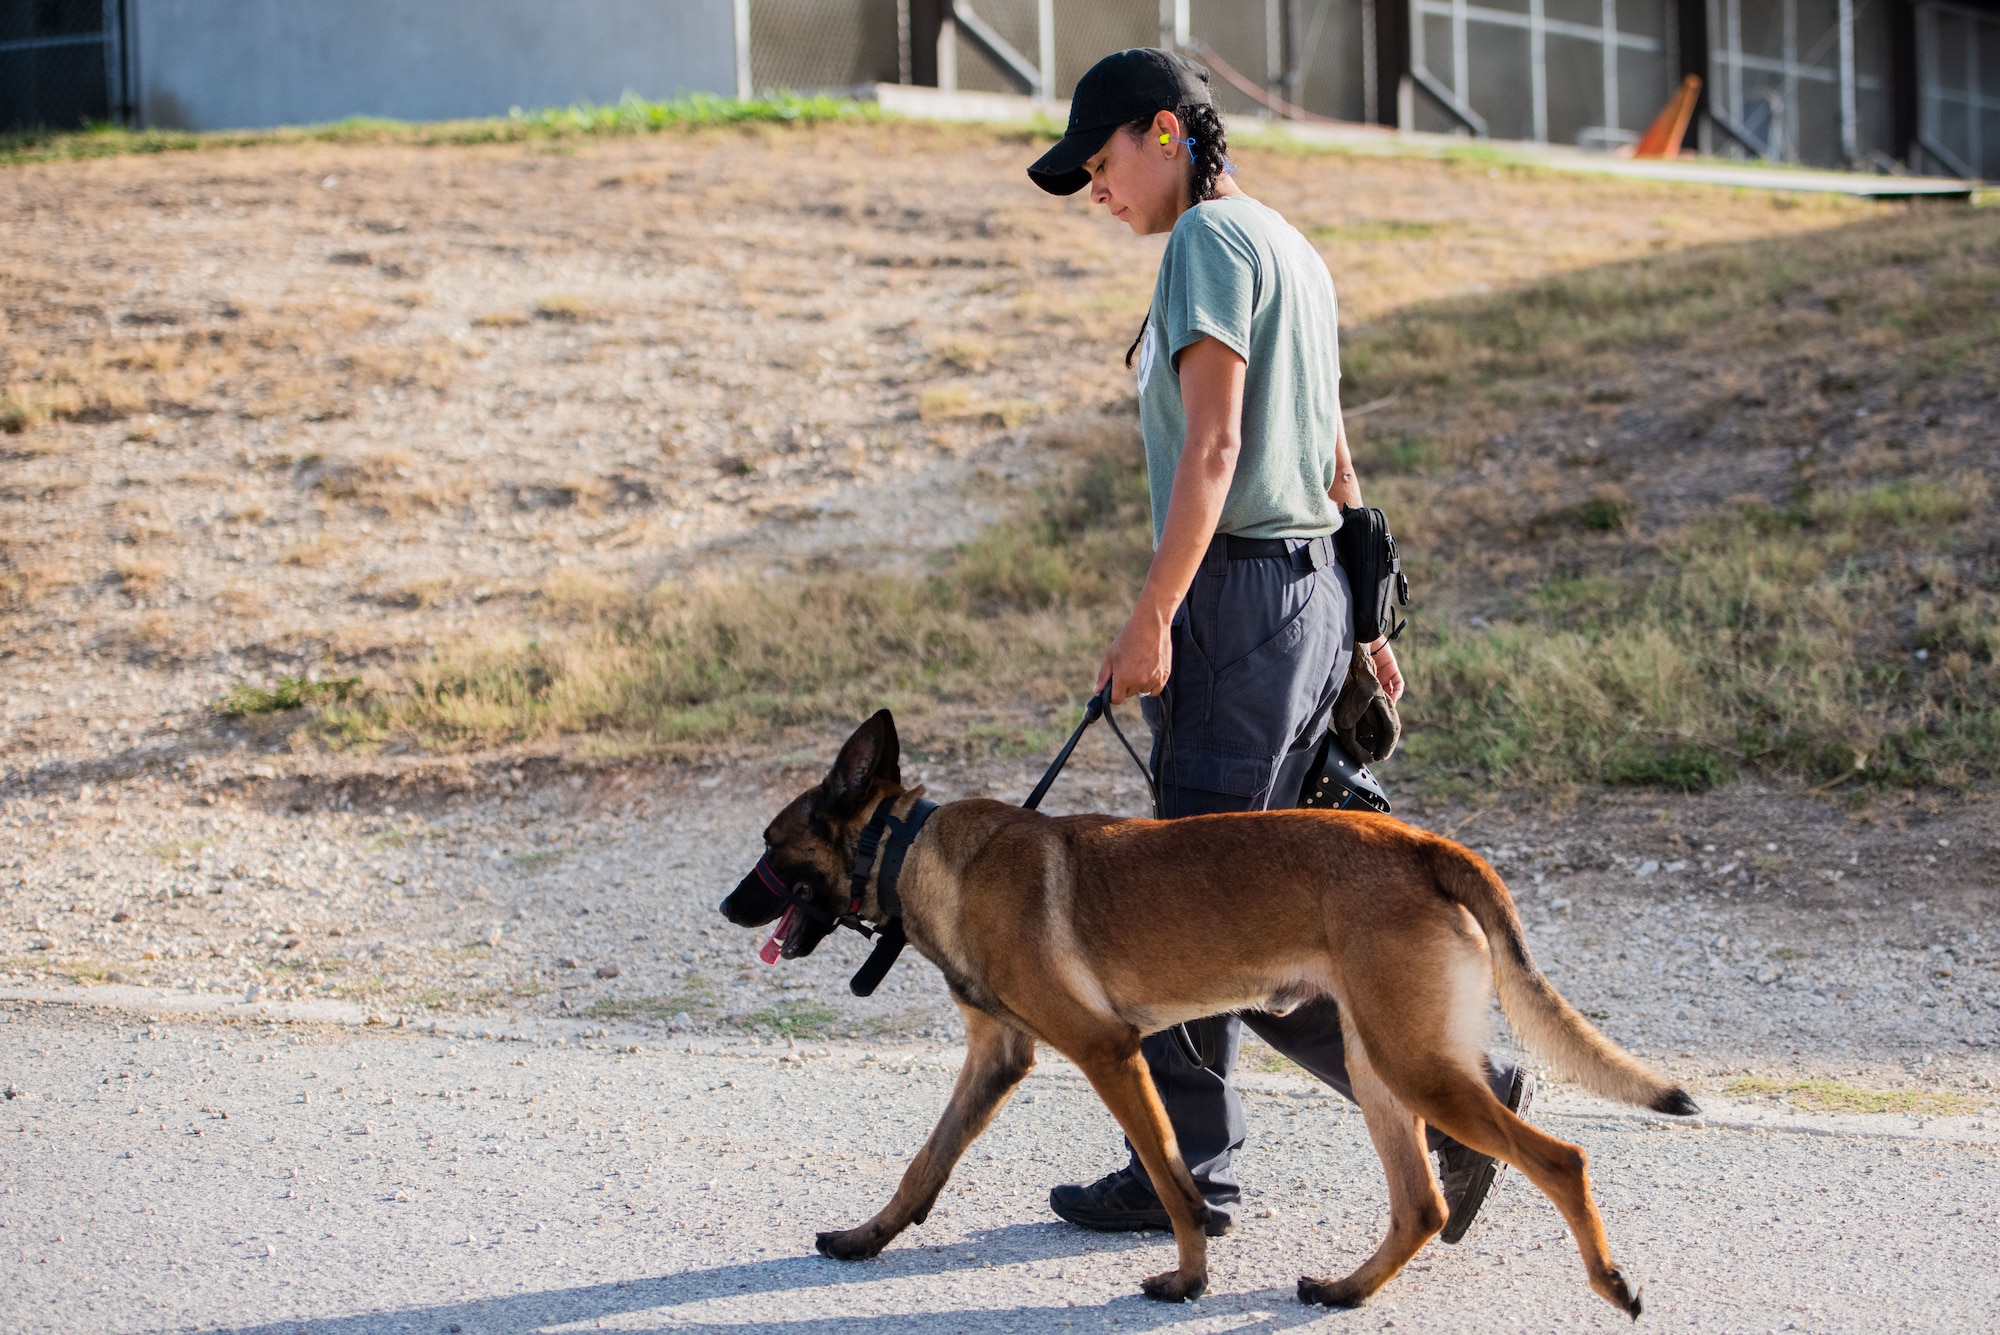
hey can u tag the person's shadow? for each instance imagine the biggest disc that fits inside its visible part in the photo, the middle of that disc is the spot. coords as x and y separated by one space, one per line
649 1304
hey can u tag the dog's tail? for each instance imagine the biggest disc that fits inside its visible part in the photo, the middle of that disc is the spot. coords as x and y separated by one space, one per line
1546 1023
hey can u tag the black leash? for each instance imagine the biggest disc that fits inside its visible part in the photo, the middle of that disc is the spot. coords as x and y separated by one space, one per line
1098 707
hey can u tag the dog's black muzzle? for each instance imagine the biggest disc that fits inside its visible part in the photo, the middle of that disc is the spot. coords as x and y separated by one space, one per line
763 896
758 898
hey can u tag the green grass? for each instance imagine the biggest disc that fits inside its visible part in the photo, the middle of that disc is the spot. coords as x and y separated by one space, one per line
1750 637
1375 229
696 1001
795 1019
1614 647
288 693
629 115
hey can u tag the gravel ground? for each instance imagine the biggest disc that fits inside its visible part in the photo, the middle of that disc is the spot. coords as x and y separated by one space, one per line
274 1178
1745 930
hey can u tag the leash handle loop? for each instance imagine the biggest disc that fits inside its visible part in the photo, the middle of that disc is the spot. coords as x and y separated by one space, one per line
1099 706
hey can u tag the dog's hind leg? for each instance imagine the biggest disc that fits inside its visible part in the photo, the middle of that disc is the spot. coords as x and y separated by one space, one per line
1416 1207
1424 1050
1118 1073
1465 1109
998 1057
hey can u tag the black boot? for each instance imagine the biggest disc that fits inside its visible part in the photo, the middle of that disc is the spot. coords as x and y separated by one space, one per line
1124 1202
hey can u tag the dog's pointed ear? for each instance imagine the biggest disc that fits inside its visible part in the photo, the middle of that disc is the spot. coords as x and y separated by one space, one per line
872 754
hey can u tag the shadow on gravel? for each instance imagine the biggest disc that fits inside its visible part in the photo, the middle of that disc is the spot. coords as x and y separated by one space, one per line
655 1304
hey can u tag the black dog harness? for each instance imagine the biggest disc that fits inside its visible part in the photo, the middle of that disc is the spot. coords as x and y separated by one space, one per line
889 938
901 834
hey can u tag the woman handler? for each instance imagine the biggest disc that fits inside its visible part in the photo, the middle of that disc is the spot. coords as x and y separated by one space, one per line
1243 630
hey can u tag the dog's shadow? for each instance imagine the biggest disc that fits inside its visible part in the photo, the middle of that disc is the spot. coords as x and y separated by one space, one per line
659 1303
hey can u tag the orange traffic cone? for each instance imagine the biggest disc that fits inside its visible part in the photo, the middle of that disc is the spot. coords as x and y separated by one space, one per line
1663 137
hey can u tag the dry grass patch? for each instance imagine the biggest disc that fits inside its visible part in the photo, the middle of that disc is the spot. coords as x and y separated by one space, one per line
1013 613
1000 286
141 576
25 582
565 309
394 364
412 595
966 354
1584 616
957 403
1837 1096
243 600
312 554
390 482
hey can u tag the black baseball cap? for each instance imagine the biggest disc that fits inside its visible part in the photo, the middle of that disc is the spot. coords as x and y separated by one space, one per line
1123 87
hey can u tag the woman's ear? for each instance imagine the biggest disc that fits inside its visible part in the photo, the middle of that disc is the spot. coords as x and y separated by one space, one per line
1166 124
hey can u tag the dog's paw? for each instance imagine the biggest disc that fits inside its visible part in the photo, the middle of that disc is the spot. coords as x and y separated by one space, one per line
1173 1287
1330 1293
1621 1294
852 1244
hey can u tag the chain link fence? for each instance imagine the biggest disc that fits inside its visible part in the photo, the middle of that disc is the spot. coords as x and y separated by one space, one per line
826 45
1784 85
58 63
1958 118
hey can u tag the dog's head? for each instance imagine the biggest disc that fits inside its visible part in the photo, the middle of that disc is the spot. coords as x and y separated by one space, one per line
808 849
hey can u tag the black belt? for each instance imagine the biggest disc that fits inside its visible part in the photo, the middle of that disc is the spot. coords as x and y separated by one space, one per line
1304 553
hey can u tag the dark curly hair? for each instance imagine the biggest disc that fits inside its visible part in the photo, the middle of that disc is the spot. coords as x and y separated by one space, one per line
1210 154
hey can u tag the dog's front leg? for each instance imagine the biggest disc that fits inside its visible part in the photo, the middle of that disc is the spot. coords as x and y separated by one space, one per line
997 1059
1118 1073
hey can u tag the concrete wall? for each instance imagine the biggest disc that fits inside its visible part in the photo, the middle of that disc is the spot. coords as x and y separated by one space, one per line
231 64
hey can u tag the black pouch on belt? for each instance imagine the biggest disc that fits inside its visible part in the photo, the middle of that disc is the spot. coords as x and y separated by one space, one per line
1367 552
1364 717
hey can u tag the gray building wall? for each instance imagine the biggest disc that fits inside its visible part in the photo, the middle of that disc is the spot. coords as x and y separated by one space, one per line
234 64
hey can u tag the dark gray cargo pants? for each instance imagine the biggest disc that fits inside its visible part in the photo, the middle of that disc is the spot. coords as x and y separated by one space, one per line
1259 646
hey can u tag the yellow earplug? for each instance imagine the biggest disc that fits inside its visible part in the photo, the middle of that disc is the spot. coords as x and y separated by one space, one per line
1166 139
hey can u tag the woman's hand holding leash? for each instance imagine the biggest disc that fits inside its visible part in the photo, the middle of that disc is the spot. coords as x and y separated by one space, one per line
1141 658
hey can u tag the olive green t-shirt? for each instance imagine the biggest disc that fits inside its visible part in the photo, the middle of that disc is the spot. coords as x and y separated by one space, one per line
1236 271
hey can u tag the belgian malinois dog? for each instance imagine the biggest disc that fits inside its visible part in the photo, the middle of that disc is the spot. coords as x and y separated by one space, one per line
1089 932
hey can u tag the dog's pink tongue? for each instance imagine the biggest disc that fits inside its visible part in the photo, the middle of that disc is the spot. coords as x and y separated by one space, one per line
769 954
